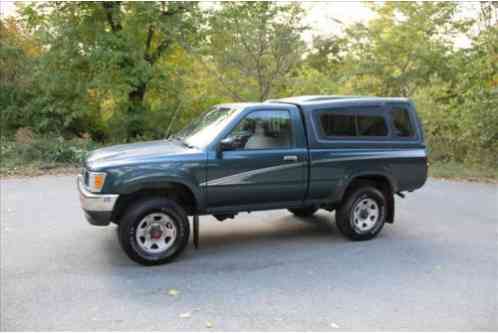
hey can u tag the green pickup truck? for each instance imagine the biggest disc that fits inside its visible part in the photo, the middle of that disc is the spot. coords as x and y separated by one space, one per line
346 154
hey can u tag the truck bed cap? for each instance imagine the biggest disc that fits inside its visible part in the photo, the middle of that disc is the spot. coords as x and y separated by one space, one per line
315 99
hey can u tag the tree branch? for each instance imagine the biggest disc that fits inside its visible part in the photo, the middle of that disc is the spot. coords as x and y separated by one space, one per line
109 8
180 8
148 42
163 46
173 118
166 42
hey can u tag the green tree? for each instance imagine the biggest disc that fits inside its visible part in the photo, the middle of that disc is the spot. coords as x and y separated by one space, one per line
18 55
254 47
320 72
105 53
327 53
403 46
476 91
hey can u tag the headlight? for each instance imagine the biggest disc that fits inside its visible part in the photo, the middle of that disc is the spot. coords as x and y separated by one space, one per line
96 181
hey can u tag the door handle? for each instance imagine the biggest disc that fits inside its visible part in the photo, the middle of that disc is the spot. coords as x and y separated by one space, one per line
292 158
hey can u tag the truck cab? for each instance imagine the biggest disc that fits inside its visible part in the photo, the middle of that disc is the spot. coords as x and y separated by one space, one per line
345 154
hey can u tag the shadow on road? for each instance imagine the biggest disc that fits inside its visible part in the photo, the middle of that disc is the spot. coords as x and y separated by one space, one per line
277 232
222 239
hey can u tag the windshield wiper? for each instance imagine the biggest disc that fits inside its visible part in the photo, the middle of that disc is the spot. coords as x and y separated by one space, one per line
182 141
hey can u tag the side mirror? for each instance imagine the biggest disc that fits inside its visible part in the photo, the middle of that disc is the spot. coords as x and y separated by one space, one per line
229 143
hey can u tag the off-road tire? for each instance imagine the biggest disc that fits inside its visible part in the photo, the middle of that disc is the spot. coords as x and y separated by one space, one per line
345 218
134 215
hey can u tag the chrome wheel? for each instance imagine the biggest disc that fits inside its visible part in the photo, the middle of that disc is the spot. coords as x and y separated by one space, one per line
365 215
156 233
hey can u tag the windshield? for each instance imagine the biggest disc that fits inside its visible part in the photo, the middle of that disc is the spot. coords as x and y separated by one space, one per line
204 129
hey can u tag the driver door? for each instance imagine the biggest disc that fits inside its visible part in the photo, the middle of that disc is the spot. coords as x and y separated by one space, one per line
260 165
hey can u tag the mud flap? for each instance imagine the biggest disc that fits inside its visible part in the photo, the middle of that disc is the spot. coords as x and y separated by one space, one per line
195 224
390 209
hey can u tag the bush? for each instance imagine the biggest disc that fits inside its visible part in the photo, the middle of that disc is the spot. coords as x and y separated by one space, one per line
461 130
43 152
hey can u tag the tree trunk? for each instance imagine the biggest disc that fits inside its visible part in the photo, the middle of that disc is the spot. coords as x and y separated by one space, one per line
136 96
135 110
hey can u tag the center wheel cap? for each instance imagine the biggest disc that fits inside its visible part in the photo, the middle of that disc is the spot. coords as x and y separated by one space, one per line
365 214
156 233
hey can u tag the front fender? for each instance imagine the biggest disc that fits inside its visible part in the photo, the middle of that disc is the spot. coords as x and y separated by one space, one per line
128 180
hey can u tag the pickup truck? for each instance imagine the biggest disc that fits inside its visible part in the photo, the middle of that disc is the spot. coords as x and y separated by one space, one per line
346 154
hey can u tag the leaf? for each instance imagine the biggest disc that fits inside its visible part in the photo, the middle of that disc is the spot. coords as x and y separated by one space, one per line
185 315
173 292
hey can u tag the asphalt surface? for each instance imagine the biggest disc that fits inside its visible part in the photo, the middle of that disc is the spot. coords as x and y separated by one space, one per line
436 268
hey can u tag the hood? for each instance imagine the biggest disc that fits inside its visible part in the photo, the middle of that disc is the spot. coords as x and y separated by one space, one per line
135 153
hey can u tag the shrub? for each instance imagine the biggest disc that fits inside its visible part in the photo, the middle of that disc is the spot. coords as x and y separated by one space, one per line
44 151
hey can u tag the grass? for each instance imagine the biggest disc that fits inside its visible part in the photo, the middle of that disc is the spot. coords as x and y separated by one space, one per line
460 171
42 156
34 169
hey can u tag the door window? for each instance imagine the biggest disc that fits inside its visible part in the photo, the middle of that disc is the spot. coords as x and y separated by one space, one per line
262 130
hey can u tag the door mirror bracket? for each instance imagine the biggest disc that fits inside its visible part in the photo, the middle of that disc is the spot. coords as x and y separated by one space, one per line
219 151
225 144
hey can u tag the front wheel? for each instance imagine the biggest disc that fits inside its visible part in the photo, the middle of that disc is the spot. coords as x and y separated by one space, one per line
154 231
362 214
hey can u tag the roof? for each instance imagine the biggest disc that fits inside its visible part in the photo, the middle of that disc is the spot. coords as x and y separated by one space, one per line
238 105
317 99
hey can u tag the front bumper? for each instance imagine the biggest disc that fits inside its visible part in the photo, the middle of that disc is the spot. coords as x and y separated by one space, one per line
97 207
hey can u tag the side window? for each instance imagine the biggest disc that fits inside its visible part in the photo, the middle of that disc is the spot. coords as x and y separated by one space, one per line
262 130
352 123
401 123
337 124
371 125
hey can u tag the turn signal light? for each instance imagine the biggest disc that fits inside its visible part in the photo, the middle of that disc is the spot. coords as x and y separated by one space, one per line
96 181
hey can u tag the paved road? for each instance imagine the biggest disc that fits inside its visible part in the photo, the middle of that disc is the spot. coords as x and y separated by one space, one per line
435 268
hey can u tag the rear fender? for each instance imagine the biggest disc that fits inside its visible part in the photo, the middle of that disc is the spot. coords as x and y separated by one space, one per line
375 177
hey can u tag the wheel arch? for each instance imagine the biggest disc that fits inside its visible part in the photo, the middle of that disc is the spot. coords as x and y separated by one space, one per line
177 191
382 182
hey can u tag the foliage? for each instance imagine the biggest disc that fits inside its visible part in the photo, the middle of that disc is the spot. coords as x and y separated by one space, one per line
254 47
457 170
461 115
42 152
408 49
18 52
125 71
101 59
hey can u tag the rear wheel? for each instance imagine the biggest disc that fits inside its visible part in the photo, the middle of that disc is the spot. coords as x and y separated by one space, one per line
304 211
362 214
154 231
